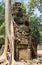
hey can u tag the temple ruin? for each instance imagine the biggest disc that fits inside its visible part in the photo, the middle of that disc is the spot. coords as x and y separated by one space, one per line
23 42
18 37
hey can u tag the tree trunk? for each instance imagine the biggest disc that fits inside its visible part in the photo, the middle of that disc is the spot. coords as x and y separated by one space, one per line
12 42
7 23
7 26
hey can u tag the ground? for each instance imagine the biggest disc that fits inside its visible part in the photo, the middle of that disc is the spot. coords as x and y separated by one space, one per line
37 61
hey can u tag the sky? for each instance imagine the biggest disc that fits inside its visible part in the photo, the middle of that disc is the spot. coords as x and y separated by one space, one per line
0 0
18 0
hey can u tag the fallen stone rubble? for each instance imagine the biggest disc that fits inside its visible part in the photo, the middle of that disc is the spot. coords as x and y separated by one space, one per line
37 61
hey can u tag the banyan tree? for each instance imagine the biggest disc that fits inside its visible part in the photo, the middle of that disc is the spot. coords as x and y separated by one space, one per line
17 34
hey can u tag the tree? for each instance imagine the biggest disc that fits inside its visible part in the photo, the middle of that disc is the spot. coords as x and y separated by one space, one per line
7 22
2 26
34 19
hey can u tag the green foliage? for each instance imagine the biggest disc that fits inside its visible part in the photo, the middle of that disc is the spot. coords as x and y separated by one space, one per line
2 13
2 26
34 25
35 22
2 29
23 7
1 41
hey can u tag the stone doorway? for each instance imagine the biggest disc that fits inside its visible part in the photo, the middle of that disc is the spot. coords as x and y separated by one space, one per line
21 50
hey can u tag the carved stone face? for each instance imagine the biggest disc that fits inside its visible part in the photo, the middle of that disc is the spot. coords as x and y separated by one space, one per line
18 14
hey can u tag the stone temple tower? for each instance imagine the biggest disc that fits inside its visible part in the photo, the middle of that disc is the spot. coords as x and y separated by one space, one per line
22 47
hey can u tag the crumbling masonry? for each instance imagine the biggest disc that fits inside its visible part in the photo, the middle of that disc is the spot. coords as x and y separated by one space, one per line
23 46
